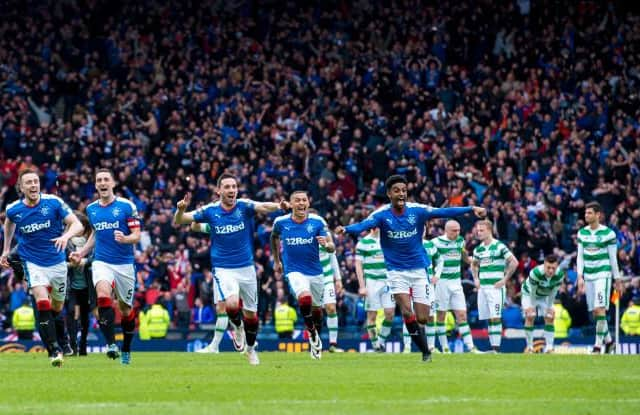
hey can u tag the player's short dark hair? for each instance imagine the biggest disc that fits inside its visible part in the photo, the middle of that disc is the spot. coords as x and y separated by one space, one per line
25 172
105 170
298 191
595 206
394 179
226 175
552 259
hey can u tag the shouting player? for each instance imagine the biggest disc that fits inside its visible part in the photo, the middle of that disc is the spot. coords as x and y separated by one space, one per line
230 220
40 221
301 234
401 227
116 229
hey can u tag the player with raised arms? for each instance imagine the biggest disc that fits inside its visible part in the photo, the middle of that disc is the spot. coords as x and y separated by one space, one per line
230 220
401 227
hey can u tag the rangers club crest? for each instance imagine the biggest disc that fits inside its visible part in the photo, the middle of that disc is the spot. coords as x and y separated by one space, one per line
115 211
309 228
412 219
237 214
44 211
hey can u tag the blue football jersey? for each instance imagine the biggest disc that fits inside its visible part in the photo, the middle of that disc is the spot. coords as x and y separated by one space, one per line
36 226
231 233
299 244
119 215
401 235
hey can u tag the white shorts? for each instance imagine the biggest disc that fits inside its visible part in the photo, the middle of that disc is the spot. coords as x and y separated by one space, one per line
329 295
378 295
597 292
120 276
241 282
54 276
411 281
216 292
431 298
490 302
541 304
300 283
449 295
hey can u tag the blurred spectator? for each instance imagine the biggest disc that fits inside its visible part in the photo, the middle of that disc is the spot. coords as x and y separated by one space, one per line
18 297
182 307
157 321
285 317
630 323
561 321
202 314
24 320
512 317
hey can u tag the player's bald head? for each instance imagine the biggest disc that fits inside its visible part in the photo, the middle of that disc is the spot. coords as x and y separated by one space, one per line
451 225
452 229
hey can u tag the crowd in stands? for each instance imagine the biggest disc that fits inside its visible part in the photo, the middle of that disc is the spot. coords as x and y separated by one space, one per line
530 109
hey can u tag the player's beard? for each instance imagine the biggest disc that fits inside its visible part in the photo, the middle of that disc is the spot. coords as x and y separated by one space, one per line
32 197
229 200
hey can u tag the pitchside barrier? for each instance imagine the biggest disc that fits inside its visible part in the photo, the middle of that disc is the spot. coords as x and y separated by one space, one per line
572 345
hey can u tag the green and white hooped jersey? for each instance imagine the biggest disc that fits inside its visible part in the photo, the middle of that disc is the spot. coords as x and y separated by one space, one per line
492 260
369 252
538 285
595 245
325 261
432 252
450 252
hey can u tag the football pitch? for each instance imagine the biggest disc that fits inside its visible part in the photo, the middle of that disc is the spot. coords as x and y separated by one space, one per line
348 383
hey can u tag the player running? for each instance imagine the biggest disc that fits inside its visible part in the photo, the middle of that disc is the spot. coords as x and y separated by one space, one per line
301 234
40 221
116 229
231 223
401 227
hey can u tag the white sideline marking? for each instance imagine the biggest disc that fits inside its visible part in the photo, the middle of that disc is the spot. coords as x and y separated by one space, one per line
434 400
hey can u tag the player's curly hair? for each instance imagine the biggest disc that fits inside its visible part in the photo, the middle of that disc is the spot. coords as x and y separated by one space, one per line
394 179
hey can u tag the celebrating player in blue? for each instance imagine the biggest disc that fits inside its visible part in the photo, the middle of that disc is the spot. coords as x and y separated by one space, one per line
401 227
301 234
231 225
40 220
116 228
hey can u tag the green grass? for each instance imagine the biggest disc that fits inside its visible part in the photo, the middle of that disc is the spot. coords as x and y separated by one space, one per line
351 383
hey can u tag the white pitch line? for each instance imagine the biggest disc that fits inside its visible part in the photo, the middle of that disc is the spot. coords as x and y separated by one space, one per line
434 400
